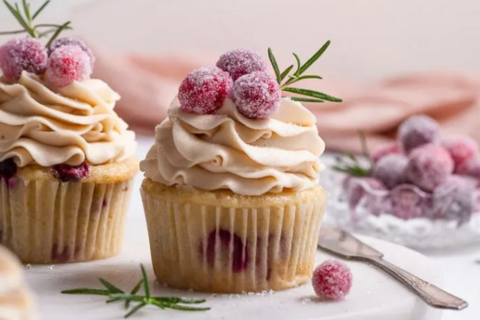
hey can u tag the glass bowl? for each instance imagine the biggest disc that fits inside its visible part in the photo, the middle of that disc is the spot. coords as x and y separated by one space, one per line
405 215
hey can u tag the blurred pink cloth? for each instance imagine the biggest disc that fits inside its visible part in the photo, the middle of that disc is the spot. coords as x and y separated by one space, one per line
148 85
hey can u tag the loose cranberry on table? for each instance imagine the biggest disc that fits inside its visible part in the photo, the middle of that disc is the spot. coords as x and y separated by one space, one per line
204 90
67 64
391 148
257 95
22 54
429 166
391 170
65 41
240 62
417 131
332 280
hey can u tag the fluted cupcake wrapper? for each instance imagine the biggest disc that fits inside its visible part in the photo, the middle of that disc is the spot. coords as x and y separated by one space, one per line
50 221
232 250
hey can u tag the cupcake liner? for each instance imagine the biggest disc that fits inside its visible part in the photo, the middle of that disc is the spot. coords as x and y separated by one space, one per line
223 249
49 221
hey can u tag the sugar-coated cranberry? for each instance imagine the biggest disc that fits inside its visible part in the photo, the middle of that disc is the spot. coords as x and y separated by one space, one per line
8 170
406 203
417 131
391 170
356 189
454 199
240 62
22 54
460 148
391 148
332 280
67 173
68 64
239 256
66 41
204 90
470 167
429 166
257 95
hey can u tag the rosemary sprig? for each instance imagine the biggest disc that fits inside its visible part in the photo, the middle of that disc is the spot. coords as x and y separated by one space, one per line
351 165
115 294
26 20
298 75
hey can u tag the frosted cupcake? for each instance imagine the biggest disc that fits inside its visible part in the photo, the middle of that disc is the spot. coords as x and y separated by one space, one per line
230 190
66 158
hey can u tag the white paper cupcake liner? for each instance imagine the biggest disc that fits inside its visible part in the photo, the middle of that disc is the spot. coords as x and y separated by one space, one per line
50 221
232 250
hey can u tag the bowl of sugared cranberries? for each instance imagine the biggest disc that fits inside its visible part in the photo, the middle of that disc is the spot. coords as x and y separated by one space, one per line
422 191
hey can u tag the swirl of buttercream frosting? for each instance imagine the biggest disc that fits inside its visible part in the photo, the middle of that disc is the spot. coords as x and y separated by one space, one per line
43 125
229 151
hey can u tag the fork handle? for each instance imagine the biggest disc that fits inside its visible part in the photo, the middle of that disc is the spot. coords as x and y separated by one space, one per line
429 293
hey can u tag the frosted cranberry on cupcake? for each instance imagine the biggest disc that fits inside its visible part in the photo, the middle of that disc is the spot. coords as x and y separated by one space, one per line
66 158
231 190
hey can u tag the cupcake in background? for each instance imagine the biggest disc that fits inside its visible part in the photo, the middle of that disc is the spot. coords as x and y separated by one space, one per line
66 159
231 190
16 301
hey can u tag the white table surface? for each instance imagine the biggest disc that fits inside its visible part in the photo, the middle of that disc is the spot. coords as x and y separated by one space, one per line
461 272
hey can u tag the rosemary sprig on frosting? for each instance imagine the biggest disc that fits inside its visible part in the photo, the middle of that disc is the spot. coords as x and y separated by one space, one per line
117 295
285 79
26 19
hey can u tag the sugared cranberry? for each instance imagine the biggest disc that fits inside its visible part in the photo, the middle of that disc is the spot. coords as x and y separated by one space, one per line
239 258
406 203
257 95
385 150
470 167
429 166
68 64
460 149
240 62
391 170
454 199
8 170
65 41
356 189
332 280
22 54
67 173
204 90
417 131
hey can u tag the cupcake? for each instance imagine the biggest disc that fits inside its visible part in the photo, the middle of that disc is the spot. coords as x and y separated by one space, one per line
16 300
230 190
66 159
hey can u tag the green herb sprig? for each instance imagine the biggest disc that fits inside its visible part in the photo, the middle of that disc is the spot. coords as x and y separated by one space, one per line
285 78
117 295
353 166
26 18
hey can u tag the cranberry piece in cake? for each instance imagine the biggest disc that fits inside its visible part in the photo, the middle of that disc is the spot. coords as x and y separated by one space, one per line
204 90
239 255
67 173
22 54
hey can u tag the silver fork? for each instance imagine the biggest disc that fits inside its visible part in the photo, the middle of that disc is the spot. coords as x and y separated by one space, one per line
344 244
